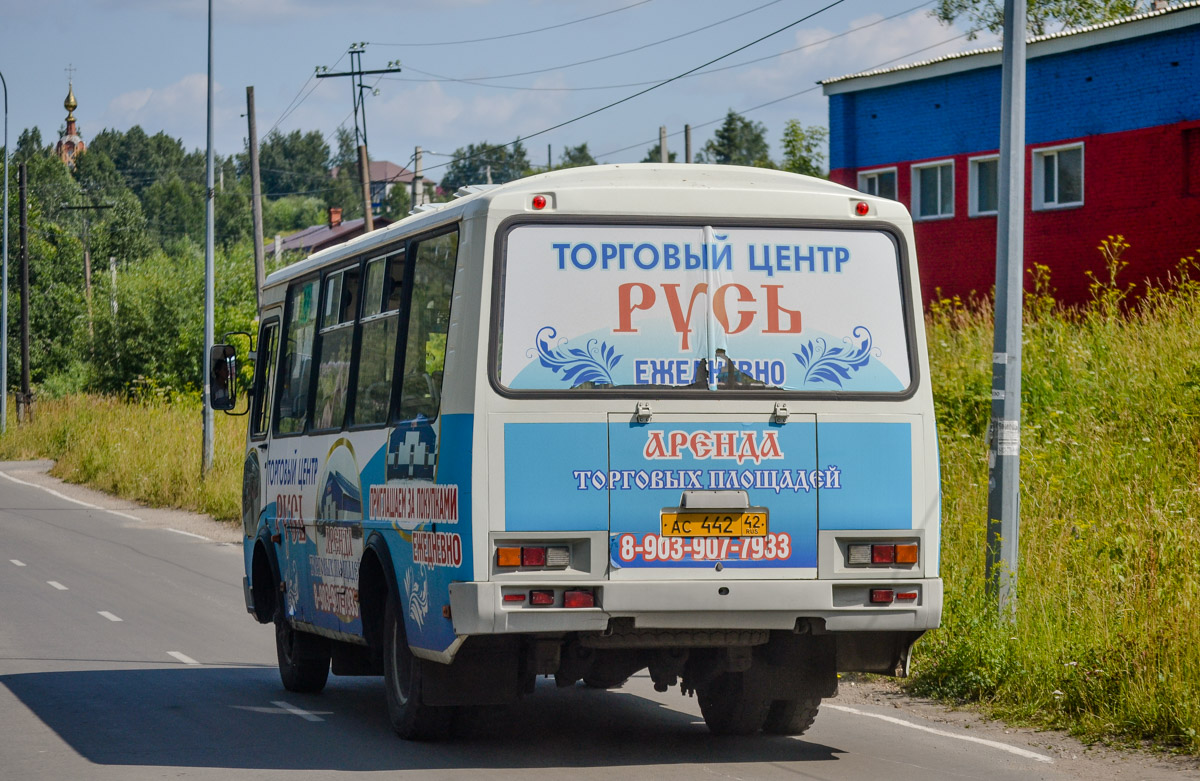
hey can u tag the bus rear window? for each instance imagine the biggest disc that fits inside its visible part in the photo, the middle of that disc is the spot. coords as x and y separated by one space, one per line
609 307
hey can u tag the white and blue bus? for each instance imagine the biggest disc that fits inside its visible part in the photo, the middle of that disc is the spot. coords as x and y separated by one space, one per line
673 418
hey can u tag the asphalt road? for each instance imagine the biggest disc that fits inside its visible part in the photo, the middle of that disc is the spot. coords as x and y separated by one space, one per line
126 653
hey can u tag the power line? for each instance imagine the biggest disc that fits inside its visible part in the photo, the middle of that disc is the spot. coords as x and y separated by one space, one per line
779 100
639 93
439 78
517 35
625 51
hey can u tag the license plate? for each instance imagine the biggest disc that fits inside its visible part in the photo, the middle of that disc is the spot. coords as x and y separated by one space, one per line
714 523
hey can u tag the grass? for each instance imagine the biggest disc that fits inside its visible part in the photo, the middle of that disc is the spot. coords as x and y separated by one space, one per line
146 451
1105 642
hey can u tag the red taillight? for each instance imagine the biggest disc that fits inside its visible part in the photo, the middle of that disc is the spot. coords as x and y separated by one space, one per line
514 597
906 596
862 208
579 599
541 597
539 202
533 557
881 596
883 554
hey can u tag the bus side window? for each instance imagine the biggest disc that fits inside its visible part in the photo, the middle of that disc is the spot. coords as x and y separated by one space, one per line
264 377
377 353
428 323
292 412
335 347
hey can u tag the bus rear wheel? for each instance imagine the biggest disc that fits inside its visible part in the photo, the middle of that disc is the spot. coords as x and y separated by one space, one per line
730 707
303 657
402 675
791 717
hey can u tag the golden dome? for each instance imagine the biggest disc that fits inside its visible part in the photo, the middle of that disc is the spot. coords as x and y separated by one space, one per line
70 104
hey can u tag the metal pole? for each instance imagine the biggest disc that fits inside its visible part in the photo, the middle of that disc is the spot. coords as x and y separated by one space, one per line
209 292
687 143
1004 448
662 144
4 281
260 273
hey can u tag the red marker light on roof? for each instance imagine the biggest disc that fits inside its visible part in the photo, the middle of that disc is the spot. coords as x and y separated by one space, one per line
539 202
862 208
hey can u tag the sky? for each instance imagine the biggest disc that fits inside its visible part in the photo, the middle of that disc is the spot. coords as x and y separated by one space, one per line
144 62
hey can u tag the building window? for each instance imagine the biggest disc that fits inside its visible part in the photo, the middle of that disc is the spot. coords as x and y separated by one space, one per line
984 186
933 190
1058 177
881 183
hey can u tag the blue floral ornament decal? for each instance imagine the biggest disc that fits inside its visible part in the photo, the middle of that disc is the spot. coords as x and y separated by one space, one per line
833 364
593 363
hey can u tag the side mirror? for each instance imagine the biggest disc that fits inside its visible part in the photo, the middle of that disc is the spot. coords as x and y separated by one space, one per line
222 373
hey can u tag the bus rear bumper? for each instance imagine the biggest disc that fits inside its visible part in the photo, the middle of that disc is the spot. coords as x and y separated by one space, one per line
478 608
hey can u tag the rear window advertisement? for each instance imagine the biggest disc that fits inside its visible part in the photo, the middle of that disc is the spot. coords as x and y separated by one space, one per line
626 307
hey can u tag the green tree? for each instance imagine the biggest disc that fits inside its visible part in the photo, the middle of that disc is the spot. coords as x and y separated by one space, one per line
576 157
143 160
654 155
471 165
802 148
345 189
291 213
989 14
738 141
175 209
398 203
296 163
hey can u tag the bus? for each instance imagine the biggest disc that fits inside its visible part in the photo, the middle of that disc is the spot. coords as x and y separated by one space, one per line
593 422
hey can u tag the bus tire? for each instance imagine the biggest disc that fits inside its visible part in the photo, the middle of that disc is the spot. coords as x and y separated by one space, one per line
403 681
593 681
303 657
730 707
791 717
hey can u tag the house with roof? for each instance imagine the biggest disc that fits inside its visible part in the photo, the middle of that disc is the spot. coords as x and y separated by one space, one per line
317 237
1112 147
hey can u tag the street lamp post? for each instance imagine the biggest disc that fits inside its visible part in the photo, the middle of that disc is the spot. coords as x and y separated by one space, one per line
4 281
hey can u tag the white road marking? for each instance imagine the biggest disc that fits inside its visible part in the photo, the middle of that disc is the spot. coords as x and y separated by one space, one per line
182 657
18 562
944 733
126 515
109 615
190 534
57 585
292 709
51 491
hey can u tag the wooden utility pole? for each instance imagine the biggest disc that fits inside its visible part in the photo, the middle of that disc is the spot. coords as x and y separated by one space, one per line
687 143
356 73
260 273
87 263
25 397
418 188
364 175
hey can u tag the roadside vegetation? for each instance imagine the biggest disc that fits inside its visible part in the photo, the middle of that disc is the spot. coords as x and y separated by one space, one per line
1104 641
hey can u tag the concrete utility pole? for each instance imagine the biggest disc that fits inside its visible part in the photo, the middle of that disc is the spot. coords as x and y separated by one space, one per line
418 189
260 273
357 87
206 459
662 144
25 397
687 143
1004 440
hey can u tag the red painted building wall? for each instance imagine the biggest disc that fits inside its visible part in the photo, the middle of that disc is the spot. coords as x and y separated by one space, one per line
1142 184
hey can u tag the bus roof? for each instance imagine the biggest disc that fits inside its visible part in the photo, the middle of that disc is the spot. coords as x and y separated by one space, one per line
629 175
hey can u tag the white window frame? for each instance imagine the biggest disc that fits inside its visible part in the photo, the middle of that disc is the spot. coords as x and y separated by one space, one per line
863 176
1039 155
915 189
973 209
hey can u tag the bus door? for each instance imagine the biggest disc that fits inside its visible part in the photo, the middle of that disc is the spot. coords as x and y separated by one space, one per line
254 489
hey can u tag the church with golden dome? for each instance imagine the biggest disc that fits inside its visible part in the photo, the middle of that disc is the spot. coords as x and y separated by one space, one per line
70 144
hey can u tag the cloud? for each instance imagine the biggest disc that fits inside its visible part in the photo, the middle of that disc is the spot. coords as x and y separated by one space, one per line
179 109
